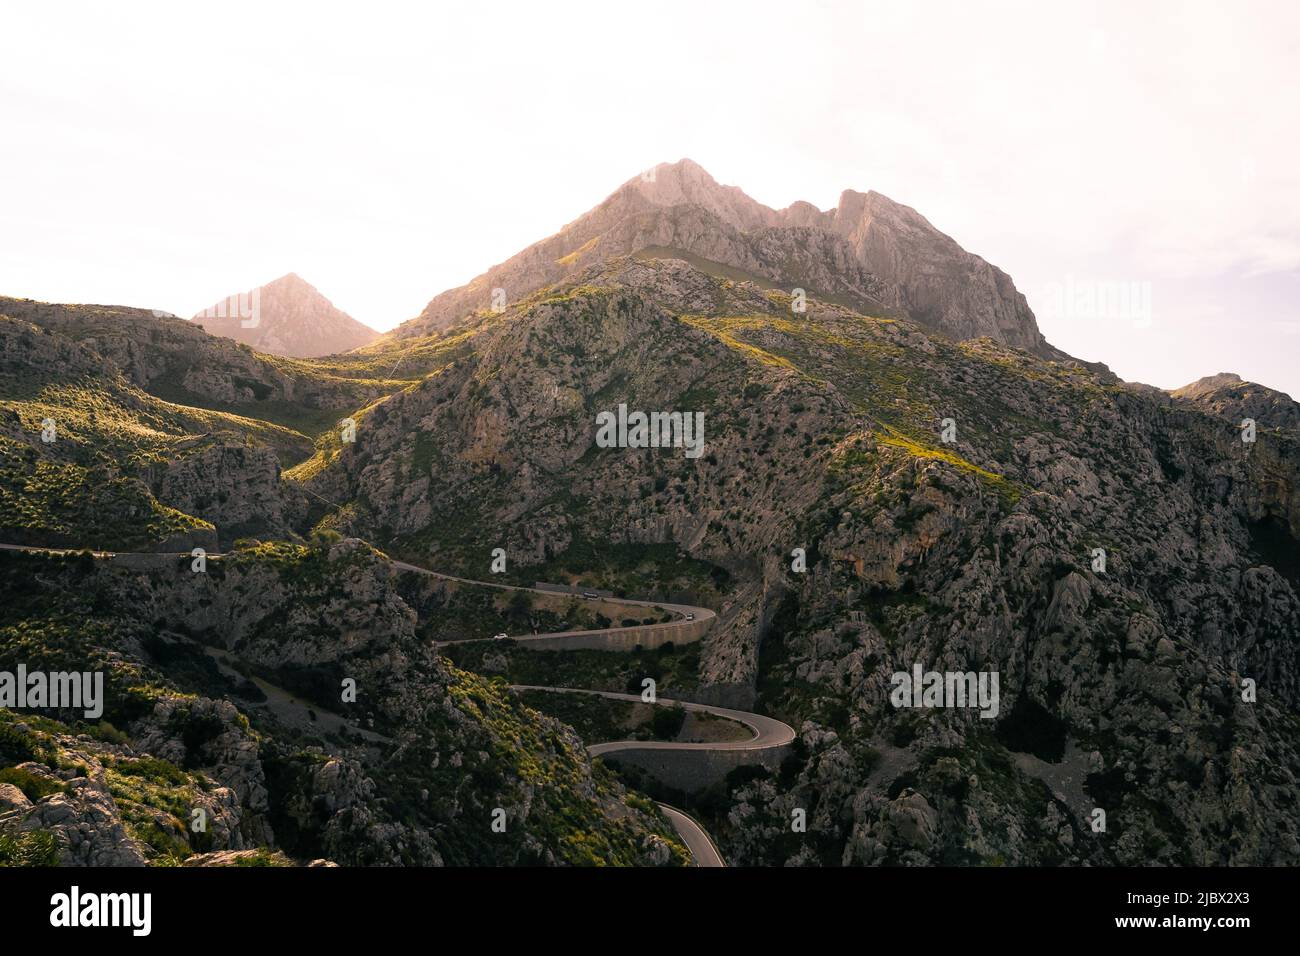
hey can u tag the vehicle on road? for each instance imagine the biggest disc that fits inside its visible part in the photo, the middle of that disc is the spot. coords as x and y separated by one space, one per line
591 595
501 637
690 617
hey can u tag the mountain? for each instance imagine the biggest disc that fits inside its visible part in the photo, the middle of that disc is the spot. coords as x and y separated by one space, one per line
869 253
824 432
1228 395
286 317
902 476
91 458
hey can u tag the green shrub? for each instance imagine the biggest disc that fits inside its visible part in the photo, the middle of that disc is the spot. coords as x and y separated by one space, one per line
158 771
325 537
37 848
34 787
667 722
163 844
109 734
16 746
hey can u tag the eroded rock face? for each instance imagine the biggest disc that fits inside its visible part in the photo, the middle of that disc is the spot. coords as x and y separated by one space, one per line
170 357
1121 689
235 487
11 798
944 287
227 751
109 797
87 827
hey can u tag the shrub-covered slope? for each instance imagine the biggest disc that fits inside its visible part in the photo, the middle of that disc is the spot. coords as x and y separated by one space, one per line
1118 556
226 692
1121 686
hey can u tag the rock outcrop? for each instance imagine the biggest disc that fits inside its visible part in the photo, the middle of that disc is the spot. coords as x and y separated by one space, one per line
1235 399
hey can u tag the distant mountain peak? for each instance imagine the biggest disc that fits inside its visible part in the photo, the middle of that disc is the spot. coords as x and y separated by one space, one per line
1208 384
682 171
286 316
1231 397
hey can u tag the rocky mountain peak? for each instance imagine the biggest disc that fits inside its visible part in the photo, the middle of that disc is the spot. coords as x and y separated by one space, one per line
857 208
1207 384
291 280
287 316
687 182
1231 397
952 291
870 250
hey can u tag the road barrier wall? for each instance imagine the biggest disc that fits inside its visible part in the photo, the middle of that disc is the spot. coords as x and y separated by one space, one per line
151 562
623 638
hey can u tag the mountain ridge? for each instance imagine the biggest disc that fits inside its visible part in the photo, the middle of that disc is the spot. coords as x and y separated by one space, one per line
885 253
1230 396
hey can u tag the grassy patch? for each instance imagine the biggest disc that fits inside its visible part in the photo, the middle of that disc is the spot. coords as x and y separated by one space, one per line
33 786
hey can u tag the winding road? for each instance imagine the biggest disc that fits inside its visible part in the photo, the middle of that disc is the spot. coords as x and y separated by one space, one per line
680 611
769 733
703 850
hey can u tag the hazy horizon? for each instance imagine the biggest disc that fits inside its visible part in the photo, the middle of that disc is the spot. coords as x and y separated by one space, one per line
385 160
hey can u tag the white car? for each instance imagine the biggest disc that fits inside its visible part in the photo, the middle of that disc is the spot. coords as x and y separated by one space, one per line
500 637
690 617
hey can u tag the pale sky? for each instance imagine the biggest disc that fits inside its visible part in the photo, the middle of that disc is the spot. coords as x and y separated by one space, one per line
165 155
